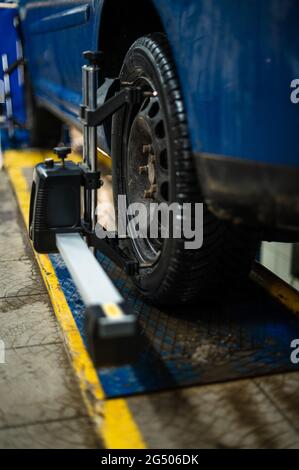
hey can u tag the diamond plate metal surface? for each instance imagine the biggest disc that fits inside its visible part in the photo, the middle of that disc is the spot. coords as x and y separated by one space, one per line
244 335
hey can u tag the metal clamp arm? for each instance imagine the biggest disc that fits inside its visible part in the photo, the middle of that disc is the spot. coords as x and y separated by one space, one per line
132 95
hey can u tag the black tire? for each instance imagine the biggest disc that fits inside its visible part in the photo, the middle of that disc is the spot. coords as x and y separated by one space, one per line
178 275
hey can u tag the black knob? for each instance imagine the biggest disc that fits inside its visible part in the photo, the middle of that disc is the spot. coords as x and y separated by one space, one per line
94 57
62 152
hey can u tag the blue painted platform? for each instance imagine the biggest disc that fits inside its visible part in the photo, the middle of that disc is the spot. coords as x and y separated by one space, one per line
242 335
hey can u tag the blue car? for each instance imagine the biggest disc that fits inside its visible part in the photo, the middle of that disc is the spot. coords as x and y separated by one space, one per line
221 128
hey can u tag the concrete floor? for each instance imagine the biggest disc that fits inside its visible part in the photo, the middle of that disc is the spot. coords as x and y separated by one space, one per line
253 413
40 404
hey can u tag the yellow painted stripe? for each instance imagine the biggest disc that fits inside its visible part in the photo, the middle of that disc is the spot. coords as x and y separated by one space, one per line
113 420
276 287
29 158
115 426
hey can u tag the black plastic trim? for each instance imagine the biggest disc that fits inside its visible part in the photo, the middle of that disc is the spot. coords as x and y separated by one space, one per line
250 192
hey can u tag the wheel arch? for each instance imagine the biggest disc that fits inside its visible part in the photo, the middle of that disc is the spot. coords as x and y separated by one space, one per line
121 23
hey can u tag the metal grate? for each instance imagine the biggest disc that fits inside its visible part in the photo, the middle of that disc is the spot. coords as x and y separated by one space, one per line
245 334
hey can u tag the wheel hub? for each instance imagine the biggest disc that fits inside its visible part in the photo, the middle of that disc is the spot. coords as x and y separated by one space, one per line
147 169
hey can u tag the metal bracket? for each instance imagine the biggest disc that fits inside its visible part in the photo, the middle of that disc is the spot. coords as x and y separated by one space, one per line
110 248
96 117
90 179
112 333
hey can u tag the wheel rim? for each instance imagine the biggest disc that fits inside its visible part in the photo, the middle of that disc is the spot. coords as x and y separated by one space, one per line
147 170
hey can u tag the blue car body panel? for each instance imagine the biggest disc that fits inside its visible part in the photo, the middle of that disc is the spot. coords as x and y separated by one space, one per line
235 60
56 33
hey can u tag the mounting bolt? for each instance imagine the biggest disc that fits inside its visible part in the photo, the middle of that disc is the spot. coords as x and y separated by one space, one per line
143 170
149 193
147 149
152 158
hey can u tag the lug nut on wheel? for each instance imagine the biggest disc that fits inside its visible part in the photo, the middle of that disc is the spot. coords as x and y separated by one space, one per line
147 149
143 170
149 193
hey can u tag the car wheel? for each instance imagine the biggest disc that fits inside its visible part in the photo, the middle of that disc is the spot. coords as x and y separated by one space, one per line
152 162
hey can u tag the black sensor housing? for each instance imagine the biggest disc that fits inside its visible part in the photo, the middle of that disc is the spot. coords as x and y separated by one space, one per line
55 203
